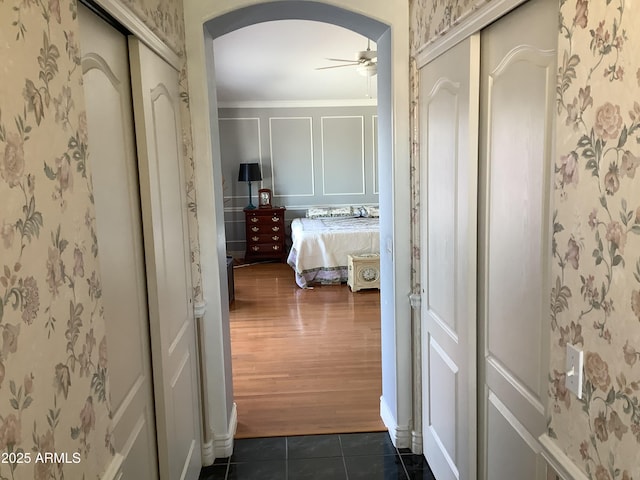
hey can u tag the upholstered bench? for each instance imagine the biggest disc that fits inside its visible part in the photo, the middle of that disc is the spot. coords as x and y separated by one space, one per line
363 271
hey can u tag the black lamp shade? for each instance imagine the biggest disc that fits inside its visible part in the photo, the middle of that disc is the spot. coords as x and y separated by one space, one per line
249 172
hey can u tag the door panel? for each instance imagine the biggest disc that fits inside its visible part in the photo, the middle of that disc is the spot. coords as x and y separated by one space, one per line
517 98
113 164
512 452
516 213
156 107
448 166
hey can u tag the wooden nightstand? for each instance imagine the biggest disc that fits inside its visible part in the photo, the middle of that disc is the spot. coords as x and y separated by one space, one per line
265 234
363 271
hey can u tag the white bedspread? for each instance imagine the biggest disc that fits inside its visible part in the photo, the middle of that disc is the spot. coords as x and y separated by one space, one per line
324 243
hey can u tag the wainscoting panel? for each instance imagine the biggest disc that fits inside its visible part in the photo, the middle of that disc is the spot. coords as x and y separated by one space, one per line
292 159
239 143
309 156
343 155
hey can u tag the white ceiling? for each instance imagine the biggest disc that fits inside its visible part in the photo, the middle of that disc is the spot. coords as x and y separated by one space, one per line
275 62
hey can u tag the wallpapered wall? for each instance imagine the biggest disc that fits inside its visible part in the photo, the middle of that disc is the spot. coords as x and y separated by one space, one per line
54 394
595 301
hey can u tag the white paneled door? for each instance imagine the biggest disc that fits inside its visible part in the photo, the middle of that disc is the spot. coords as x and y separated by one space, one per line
173 340
113 164
448 168
517 101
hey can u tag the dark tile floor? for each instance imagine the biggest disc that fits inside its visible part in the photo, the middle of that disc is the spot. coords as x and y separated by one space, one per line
353 456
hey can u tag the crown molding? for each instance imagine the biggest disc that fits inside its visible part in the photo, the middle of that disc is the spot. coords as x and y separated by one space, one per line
469 24
138 28
366 102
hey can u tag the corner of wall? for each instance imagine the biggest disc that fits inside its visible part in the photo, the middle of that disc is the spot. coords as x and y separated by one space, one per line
223 443
401 435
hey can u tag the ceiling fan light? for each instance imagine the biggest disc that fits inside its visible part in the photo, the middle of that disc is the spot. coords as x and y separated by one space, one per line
367 70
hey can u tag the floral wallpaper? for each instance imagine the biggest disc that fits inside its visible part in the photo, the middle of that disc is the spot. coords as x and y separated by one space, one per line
595 300
433 18
164 17
54 370
54 394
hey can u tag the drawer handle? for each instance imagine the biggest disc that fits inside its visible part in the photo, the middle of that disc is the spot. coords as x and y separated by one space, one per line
255 239
275 238
255 229
255 219
276 247
255 248
275 219
275 229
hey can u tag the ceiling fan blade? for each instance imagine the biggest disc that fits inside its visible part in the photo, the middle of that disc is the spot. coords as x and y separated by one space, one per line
338 66
341 60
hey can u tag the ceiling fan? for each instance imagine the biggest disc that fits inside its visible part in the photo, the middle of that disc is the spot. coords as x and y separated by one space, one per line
366 62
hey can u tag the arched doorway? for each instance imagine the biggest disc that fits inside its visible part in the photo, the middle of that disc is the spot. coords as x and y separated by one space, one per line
388 26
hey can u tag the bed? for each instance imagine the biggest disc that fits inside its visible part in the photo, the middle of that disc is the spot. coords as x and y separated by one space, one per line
320 247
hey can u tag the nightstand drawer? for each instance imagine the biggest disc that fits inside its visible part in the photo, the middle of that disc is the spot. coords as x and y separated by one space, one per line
259 229
265 248
256 219
268 238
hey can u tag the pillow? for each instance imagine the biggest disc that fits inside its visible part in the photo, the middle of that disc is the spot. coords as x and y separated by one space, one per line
319 212
326 212
341 212
359 211
371 211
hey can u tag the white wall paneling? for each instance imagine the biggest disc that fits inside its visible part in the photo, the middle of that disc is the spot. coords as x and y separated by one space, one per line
239 143
343 155
292 161
309 156
292 148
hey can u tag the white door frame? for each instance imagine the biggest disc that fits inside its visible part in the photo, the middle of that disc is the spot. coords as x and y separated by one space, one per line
396 401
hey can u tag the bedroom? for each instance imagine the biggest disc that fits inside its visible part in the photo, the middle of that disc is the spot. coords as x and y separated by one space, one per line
312 133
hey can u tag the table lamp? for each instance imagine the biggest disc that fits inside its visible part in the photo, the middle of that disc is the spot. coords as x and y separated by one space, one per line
249 172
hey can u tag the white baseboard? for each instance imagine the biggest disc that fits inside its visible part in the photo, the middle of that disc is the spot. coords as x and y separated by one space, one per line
400 435
559 460
416 442
208 456
223 443
113 471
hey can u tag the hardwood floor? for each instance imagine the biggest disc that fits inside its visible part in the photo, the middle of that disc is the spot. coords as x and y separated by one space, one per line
304 361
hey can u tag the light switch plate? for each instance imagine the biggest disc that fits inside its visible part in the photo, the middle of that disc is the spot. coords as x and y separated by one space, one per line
573 370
